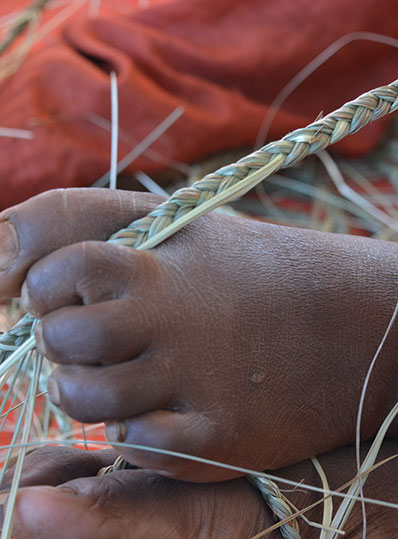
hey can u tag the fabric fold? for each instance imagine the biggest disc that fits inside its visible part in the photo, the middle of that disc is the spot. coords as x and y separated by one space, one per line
223 61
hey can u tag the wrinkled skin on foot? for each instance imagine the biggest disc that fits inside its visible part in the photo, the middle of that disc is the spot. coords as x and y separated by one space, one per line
240 341
137 504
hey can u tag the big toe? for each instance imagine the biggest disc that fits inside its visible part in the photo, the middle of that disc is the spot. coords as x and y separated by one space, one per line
108 507
48 512
137 504
82 511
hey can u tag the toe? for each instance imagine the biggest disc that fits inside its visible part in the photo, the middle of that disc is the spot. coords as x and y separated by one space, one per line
178 436
62 217
50 465
85 273
113 392
100 334
137 504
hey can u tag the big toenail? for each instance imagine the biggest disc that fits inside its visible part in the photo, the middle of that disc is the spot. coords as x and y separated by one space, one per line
53 391
116 432
8 244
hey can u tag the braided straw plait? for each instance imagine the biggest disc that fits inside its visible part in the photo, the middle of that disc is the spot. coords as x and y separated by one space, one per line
226 184
276 501
234 180
14 338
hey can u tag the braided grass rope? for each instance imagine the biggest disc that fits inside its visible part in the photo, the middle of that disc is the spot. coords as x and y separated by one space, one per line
232 181
277 503
221 187
119 464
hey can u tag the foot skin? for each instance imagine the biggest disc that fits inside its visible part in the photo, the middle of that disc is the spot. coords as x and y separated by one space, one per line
137 504
127 504
233 335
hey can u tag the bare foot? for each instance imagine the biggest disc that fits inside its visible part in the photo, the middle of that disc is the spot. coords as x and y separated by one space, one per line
140 504
236 340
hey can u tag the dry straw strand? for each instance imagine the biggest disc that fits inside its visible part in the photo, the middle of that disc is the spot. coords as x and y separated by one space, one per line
310 68
360 411
27 22
114 131
22 21
142 146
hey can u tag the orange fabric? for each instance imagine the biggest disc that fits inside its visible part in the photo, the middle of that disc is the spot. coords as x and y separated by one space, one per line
223 60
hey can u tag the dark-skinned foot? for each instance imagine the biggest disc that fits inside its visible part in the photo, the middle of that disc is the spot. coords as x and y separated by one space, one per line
140 504
236 340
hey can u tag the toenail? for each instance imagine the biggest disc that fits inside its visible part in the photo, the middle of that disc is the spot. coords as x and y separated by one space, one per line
116 432
41 347
53 391
25 298
8 244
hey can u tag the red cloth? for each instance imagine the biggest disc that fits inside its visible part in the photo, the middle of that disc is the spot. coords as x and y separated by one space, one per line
223 60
